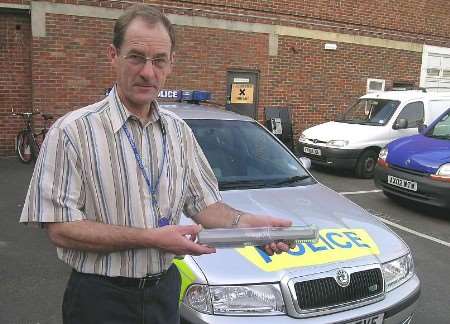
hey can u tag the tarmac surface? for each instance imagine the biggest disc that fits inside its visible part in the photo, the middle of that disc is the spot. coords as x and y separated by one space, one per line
32 279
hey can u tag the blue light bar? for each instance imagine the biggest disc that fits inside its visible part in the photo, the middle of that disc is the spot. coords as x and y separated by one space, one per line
195 96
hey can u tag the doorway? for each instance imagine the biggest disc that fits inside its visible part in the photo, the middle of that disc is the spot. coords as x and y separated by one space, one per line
242 92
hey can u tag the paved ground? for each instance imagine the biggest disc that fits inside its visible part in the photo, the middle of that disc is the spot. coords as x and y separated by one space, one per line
426 230
32 279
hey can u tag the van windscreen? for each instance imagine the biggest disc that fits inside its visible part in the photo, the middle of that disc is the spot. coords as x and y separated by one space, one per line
375 112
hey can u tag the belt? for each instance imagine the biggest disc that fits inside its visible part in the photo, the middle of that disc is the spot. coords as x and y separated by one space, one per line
147 281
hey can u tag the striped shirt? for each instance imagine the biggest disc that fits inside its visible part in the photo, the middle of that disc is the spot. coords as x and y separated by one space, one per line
87 170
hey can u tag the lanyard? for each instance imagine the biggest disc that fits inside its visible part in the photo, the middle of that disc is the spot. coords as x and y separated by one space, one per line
162 221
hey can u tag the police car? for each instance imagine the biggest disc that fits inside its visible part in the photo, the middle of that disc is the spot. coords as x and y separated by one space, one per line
417 167
358 272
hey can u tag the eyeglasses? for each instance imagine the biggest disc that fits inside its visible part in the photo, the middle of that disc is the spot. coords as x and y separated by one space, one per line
138 60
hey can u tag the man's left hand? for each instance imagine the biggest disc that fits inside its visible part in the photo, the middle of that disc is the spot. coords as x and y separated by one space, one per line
250 220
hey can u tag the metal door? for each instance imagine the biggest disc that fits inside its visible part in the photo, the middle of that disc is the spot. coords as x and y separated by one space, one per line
242 92
274 115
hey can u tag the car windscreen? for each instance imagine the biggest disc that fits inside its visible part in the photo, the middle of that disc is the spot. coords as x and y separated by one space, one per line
243 155
376 112
441 129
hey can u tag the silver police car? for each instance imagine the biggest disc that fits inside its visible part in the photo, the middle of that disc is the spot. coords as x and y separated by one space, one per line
358 272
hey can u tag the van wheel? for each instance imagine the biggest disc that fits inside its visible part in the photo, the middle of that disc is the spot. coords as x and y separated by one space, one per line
366 164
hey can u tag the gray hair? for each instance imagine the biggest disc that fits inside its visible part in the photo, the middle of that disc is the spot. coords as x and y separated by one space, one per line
151 15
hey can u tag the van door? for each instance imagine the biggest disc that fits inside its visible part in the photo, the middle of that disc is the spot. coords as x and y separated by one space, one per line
414 114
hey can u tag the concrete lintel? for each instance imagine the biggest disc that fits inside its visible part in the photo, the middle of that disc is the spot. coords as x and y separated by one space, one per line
347 38
204 22
40 8
14 6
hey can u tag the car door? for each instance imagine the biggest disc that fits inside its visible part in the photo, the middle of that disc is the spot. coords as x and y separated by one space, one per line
413 113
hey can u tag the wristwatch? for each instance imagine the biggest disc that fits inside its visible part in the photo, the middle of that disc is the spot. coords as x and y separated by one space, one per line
236 219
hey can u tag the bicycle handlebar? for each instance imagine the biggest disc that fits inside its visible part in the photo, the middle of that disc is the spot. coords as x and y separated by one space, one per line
32 113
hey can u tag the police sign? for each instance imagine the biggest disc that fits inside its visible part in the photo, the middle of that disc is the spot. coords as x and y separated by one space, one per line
170 94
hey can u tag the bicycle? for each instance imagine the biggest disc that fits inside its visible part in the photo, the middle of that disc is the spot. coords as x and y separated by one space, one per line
27 145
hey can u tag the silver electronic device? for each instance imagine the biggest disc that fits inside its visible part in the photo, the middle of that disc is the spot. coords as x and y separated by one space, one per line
241 237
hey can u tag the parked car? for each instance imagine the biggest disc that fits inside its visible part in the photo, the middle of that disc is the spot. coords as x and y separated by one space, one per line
358 272
354 140
418 167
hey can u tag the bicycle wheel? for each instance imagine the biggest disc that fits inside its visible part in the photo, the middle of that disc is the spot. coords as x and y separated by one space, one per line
24 147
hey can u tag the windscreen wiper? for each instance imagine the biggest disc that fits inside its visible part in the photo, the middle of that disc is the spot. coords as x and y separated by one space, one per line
240 184
292 180
441 136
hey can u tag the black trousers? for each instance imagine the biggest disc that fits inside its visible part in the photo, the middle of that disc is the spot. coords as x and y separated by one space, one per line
91 299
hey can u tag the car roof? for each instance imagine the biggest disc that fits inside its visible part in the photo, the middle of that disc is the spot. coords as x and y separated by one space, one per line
407 95
199 111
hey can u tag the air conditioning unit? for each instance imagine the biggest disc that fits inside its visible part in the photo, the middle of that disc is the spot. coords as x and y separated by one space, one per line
375 85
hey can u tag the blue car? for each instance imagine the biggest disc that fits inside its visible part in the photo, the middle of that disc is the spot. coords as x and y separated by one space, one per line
418 167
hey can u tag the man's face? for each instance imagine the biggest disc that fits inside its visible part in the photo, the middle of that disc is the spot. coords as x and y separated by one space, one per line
138 80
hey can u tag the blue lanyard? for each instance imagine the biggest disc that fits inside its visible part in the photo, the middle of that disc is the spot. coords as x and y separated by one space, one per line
162 221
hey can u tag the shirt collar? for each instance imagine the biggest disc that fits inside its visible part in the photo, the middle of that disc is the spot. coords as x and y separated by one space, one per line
119 114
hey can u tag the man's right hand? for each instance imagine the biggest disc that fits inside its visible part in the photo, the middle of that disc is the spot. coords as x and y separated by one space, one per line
98 237
180 240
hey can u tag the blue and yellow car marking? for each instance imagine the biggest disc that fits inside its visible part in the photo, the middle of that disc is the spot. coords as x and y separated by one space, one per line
333 245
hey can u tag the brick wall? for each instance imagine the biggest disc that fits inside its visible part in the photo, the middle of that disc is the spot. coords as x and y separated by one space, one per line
70 67
318 84
15 75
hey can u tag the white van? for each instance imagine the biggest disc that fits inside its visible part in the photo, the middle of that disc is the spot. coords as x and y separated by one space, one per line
354 140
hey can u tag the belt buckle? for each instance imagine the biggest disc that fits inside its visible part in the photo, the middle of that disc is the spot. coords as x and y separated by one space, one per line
142 282
149 277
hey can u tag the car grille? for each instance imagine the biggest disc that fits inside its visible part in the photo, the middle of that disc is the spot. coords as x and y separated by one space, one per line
315 141
414 172
315 157
326 293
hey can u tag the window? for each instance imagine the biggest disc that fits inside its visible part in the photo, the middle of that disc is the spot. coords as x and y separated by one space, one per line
376 112
243 154
435 67
413 113
374 85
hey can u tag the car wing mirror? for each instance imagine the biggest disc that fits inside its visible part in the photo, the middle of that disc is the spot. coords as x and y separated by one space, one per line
421 128
401 123
305 162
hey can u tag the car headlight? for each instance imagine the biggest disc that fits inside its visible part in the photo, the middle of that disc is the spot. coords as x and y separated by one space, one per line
383 154
397 272
302 138
337 143
198 298
382 157
236 300
443 173
444 170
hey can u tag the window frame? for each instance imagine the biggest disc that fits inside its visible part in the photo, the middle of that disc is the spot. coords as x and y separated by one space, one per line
405 107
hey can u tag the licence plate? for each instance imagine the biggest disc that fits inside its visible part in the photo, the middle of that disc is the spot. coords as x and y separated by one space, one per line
374 319
311 150
402 183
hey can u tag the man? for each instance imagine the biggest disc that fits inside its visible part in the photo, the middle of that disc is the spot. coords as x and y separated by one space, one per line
112 180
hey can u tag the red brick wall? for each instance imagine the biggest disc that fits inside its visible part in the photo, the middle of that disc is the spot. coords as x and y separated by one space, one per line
15 76
318 84
70 67
405 16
